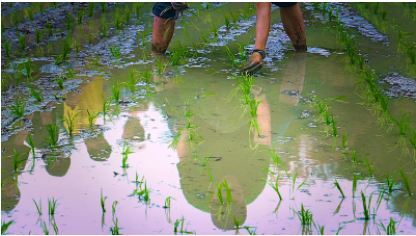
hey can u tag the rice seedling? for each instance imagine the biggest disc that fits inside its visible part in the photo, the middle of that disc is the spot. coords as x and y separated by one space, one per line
115 91
53 132
344 142
406 183
167 203
276 189
391 227
115 230
52 207
294 177
44 228
379 200
322 230
179 227
70 121
18 108
277 160
38 206
36 94
31 144
160 66
142 192
338 186
22 42
5 226
90 9
365 207
60 81
80 16
91 118
7 48
125 156
250 230
137 9
390 184
106 108
227 23
305 216
102 201
65 52
334 127
115 51
49 28
103 7
114 208
354 185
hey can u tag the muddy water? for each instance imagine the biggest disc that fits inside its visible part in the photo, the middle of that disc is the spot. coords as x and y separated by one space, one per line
188 131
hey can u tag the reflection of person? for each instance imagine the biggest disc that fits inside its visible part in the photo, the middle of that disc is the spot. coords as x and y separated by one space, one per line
98 148
292 19
10 193
220 149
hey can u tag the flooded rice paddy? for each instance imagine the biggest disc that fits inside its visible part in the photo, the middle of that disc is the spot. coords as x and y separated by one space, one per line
101 137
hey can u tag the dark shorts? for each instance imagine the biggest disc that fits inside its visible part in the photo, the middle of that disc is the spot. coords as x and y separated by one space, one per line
164 10
284 4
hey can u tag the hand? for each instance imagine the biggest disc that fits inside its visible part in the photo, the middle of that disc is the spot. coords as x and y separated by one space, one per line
254 64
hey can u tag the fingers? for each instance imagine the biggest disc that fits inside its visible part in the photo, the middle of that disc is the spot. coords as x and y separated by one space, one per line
252 68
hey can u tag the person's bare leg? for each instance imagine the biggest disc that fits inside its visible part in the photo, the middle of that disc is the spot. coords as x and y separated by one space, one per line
292 19
263 10
162 34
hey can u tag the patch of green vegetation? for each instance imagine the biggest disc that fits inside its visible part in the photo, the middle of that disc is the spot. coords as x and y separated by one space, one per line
5 226
18 108
53 132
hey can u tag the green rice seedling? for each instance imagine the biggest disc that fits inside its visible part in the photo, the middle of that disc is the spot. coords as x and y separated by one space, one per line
70 120
31 144
44 228
38 206
142 192
52 207
80 16
7 48
22 42
92 117
160 67
294 177
339 188
406 183
53 132
65 52
379 200
354 185
354 156
305 216
391 227
114 208
36 94
18 108
54 226
115 91
16 160
403 124
106 107
125 155
90 9
115 51
137 9
219 194
322 230
5 226
231 57
277 160
49 28
344 142
167 203
390 184
179 227
228 194
276 189
227 23
115 230
250 230
103 7
102 201
365 207
334 127
60 81
26 69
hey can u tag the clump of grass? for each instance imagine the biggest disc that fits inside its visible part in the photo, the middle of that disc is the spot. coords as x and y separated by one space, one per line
52 207
70 121
167 203
305 216
115 52
53 132
38 206
5 226
339 188
125 155
406 183
91 118
18 108
365 207
102 201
